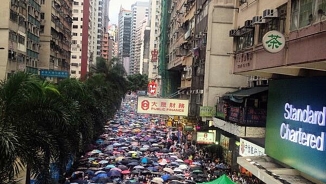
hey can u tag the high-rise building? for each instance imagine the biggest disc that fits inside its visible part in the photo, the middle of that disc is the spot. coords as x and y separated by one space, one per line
84 36
140 52
140 10
124 33
154 20
55 38
14 35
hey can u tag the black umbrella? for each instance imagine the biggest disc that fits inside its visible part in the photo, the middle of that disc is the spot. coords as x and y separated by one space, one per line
165 150
133 164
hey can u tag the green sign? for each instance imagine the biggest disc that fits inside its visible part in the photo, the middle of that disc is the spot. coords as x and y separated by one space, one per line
206 111
296 124
273 41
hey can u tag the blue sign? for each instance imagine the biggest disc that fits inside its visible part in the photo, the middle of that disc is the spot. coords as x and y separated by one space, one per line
54 73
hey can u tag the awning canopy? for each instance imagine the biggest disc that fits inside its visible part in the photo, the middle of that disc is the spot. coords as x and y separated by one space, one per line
270 171
247 92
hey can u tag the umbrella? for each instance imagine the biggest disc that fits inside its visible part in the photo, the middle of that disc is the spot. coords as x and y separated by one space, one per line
116 169
197 171
123 167
157 179
109 166
114 173
174 178
139 167
125 172
98 172
99 141
144 160
196 163
177 170
133 164
179 160
103 162
169 170
165 177
183 166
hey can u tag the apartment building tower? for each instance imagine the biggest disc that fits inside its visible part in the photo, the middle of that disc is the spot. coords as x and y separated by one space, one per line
124 32
140 11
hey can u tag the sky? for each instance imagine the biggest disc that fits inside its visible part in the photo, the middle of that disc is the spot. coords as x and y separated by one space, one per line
114 8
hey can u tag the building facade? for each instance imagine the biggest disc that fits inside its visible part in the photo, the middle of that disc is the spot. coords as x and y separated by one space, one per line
139 11
84 36
124 33
139 49
55 39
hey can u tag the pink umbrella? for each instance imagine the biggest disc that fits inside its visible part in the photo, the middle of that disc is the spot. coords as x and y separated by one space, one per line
125 172
117 169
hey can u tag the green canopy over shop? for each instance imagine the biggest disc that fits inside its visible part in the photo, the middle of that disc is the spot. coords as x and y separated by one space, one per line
221 180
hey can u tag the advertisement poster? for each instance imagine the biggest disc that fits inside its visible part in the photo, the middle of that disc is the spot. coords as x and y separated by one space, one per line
205 138
162 106
225 142
250 149
296 124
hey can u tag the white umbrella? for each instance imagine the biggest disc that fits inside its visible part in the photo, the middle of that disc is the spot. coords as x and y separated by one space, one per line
103 162
177 170
139 167
157 180
179 160
169 170
183 166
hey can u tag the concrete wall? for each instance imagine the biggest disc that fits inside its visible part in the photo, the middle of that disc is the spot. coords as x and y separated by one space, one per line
218 66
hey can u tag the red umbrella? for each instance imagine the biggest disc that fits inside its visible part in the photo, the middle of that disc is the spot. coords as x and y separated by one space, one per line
125 172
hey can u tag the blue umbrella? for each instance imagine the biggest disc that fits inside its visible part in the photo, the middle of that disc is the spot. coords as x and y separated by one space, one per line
144 160
114 173
109 166
165 177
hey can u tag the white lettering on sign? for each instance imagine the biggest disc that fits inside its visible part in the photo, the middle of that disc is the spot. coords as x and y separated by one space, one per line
305 115
299 136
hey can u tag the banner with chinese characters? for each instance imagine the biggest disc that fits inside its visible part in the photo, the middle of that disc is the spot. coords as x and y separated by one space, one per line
250 149
206 111
205 138
162 106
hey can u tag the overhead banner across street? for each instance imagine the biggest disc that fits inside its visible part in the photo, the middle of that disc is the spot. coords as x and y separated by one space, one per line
162 106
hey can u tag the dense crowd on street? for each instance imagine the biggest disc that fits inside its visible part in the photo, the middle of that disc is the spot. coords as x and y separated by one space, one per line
137 148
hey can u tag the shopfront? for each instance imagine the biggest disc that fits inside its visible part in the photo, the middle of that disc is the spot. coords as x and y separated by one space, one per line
295 133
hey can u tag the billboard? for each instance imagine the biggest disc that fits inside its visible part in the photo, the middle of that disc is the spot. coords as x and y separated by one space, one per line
205 137
250 149
162 106
295 130
206 111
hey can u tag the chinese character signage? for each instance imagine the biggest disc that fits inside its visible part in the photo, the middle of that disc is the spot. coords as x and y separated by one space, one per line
296 124
54 73
154 55
206 111
250 149
273 41
152 86
205 138
162 106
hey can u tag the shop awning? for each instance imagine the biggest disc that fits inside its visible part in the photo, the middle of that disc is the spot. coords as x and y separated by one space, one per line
271 172
247 92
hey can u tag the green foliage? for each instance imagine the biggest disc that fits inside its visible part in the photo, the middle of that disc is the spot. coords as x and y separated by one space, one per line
137 82
43 123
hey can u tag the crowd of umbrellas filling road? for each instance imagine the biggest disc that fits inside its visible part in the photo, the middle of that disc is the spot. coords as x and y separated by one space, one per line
138 148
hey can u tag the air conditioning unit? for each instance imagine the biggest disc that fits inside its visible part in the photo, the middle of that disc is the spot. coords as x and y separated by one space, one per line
248 23
258 20
185 69
233 32
196 91
201 91
197 36
270 13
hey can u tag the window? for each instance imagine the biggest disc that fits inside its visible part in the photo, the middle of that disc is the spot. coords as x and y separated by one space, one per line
42 15
75 10
73 72
245 40
21 39
73 57
75 18
74 41
74 64
274 23
42 1
81 26
306 12
76 3
74 34
74 26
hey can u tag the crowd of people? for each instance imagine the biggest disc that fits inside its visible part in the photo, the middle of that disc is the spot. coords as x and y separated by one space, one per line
138 148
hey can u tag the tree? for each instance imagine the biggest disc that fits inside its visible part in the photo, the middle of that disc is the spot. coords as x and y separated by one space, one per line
137 82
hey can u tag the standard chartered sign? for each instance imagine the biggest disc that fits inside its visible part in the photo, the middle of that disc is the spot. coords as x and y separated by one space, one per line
299 135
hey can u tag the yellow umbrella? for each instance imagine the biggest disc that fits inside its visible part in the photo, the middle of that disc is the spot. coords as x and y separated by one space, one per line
119 159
